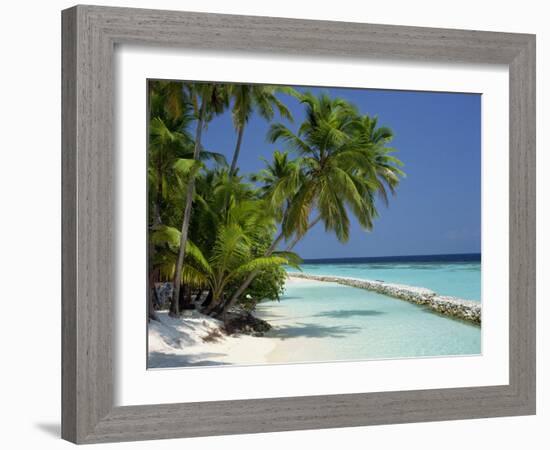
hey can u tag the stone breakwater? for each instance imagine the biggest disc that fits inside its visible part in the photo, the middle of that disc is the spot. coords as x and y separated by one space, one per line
449 306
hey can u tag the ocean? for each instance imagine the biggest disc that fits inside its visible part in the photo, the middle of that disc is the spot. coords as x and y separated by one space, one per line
345 323
455 275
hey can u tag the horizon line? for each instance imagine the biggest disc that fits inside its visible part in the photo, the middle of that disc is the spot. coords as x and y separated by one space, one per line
396 256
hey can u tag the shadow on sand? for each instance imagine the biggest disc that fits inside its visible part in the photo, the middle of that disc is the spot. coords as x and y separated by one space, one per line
268 314
157 360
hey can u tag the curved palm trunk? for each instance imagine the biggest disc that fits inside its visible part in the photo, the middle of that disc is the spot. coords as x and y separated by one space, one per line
217 299
254 274
151 313
237 151
174 307
153 276
233 169
158 197
298 238
250 278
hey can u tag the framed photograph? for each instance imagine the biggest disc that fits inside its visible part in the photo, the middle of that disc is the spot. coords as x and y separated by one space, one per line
265 229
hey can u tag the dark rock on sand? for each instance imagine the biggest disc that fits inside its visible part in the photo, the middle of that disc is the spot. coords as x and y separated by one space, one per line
239 320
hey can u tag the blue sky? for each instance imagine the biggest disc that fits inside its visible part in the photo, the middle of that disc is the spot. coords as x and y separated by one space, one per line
437 208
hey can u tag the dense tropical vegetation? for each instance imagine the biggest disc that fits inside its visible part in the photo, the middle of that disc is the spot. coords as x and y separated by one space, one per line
221 237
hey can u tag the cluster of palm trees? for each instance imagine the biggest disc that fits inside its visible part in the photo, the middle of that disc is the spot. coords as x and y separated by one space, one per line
213 230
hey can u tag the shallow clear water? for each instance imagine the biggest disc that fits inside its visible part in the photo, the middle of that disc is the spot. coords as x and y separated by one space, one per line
345 323
459 279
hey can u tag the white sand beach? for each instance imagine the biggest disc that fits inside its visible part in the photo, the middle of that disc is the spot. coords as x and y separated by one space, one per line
315 321
198 340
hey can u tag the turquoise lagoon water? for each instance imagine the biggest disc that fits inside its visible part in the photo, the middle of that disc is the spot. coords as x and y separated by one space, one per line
345 323
459 278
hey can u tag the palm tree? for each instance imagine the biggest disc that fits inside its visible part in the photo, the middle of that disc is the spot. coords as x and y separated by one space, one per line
250 97
339 170
229 258
169 158
168 111
213 100
169 142
346 164
165 149
332 162
281 180
384 167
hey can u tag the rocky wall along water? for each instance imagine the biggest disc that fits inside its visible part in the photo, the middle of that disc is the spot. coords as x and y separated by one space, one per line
450 306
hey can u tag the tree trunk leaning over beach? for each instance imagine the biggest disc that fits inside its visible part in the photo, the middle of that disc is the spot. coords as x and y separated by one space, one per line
237 151
279 131
254 274
281 180
337 158
255 97
174 308
298 238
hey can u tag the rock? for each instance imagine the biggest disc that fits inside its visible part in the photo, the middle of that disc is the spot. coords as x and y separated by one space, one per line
456 307
242 321
164 294
449 306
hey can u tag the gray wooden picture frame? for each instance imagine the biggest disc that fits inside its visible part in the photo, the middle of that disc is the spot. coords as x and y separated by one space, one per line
90 34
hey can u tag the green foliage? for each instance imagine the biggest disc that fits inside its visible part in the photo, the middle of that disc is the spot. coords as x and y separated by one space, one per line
259 97
235 252
344 164
270 282
335 163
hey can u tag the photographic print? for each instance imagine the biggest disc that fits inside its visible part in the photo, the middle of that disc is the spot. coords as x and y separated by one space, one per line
296 224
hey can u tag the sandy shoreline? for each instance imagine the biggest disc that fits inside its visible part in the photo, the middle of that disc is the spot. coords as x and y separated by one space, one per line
295 337
179 342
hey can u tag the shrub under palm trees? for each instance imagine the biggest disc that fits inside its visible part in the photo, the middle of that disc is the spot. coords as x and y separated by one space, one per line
231 256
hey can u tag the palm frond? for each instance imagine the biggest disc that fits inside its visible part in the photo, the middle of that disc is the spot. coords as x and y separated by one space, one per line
264 262
293 259
165 235
194 277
